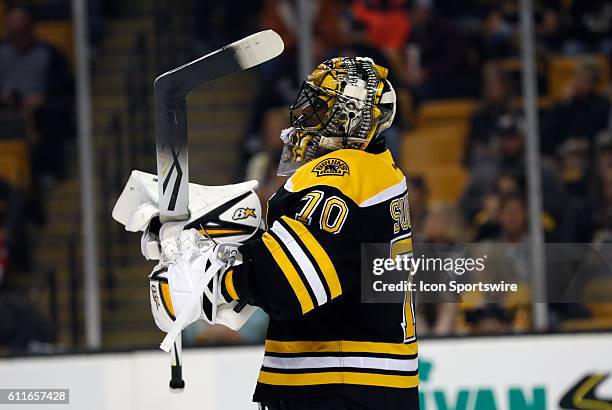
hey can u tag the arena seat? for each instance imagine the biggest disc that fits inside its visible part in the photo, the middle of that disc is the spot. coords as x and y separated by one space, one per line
599 290
58 34
510 65
15 162
597 297
446 183
562 70
424 148
514 66
581 325
445 113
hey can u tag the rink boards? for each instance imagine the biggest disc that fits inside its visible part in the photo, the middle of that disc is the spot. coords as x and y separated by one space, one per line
485 373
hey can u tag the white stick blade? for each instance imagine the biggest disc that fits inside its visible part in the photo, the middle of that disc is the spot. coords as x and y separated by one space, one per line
257 48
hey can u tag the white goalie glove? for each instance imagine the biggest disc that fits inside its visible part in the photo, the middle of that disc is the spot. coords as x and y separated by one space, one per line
168 290
185 285
229 214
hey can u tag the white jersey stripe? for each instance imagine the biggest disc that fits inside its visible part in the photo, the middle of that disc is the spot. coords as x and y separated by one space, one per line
298 254
386 194
319 362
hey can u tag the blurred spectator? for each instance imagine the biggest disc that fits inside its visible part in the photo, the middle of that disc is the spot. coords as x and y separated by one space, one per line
512 315
603 151
443 228
574 162
274 121
35 79
509 159
499 36
14 249
22 326
19 52
95 23
466 10
486 220
282 16
507 261
487 319
279 79
4 255
263 165
212 18
497 94
278 86
581 113
549 34
419 199
589 26
438 63
593 213
386 21
513 219
443 225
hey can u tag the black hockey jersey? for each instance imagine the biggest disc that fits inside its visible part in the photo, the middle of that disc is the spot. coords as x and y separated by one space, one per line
305 273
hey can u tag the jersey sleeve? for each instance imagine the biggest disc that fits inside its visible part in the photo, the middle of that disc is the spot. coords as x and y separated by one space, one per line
308 257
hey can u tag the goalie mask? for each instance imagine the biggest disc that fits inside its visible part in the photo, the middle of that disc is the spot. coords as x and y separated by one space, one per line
345 103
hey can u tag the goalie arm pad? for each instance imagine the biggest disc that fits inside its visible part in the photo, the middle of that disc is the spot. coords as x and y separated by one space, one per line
296 268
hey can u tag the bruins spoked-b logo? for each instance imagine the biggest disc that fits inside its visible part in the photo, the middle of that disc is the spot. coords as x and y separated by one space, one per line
331 166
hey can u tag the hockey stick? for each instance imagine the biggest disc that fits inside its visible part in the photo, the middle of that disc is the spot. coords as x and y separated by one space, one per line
171 90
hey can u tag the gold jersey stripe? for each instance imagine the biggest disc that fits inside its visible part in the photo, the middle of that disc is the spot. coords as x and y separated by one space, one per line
318 253
310 379
275 346
290 273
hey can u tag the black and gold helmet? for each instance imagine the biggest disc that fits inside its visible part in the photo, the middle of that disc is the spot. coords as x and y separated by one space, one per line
345 103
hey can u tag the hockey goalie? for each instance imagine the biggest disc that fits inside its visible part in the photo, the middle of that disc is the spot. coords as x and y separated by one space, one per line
324 348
